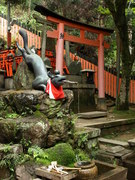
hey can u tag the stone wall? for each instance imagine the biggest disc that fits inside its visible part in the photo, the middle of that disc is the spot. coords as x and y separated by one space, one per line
39 120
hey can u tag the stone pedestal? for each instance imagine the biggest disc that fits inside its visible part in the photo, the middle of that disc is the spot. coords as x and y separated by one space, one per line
2 81
101 104
87 76
9 83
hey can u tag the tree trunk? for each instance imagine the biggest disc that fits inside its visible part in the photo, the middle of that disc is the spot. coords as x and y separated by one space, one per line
124 94
29 8
8 25
118 68
127 64
117 9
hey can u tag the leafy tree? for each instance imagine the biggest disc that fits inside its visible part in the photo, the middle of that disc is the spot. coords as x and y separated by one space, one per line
118 11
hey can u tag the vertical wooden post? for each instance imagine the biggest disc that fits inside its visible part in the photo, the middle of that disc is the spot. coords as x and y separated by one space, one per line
68 61
101 91
60 48
43 45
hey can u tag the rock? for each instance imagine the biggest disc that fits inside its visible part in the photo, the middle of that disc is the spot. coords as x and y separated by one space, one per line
49 121
22 174
29 101
24 130
59 130
75 67
14 149
86 138
47 61
4 173
7 150
36 133
23 77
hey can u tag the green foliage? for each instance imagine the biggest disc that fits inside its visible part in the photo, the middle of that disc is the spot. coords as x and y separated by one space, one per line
12 160
103 10
3 9
38 155
7 148
38 114
25 143
62 153
81 155
123 114
94 150
82 140
12 115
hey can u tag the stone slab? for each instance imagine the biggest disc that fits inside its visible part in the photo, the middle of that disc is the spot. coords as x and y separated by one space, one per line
104 124
92 132
118 154
115 149
113 142
93 114
107 158
131 142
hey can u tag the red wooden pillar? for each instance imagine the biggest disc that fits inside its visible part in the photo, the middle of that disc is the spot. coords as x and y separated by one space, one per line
101 91
60 48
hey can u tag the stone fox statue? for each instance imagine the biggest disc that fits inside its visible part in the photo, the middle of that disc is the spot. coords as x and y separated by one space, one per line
36 63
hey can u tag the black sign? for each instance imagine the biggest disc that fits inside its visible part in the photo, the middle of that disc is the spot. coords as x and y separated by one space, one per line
61 35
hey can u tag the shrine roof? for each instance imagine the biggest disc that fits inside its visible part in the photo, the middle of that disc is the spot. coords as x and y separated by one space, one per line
46 12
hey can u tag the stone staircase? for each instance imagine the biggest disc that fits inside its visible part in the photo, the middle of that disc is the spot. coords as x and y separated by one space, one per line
112 151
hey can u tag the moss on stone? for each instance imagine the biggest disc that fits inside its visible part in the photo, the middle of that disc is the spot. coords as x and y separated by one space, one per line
62 153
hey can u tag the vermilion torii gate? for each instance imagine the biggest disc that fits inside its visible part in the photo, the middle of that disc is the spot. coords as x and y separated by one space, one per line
61 36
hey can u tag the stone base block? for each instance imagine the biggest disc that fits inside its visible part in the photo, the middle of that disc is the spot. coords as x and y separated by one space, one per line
101 104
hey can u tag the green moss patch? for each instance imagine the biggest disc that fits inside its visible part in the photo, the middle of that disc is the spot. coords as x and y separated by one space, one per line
62 153
123 114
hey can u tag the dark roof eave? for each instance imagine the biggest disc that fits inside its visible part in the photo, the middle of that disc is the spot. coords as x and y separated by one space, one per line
46 12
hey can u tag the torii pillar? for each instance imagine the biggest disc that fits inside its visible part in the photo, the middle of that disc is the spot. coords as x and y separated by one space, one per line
101 92
60 48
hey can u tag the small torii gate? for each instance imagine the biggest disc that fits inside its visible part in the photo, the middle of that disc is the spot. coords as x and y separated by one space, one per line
62 36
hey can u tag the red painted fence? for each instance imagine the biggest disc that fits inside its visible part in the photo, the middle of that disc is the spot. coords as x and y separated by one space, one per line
34 39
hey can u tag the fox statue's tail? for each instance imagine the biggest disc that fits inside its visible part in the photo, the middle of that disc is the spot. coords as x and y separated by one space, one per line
24 35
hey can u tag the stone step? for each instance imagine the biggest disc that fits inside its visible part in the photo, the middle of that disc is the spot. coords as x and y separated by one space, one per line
112 156
91 132
131 142
93 114
108 126
87 137
114 142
